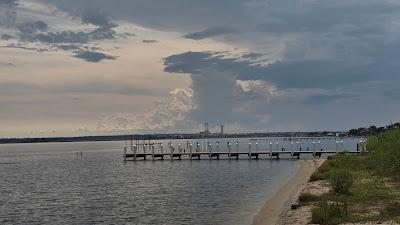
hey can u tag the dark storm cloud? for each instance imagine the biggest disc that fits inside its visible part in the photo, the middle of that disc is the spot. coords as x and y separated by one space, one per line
9 2
179 15
289 74
7 37
210 32
95 17
32 27
8 15
101 33
327 16
68 40
149 41
95 57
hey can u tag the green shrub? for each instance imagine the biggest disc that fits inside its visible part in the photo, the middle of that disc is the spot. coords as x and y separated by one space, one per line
329 213
317 176
384 157
391 210
307 198
322 173
341 181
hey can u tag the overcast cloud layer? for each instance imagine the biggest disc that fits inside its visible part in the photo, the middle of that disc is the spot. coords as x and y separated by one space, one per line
265 65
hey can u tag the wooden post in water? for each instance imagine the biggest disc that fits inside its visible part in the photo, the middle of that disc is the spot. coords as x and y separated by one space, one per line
270 150
249 150
190 150
152 151
337 147
172 151
313 148
210 150
144 151
291 148
134 151
229 150
124 153
131 145
341 146
237 146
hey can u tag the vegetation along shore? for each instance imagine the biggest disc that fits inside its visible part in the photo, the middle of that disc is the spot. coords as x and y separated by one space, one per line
349 189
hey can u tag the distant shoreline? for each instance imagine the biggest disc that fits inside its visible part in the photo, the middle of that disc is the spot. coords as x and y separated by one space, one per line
324 134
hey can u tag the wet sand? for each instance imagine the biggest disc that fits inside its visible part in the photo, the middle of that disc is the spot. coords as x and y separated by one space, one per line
276 208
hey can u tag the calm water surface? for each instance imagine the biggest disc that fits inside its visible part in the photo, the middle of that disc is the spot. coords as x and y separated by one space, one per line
50 184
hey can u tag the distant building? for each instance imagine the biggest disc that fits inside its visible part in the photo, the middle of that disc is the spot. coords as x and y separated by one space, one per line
206 129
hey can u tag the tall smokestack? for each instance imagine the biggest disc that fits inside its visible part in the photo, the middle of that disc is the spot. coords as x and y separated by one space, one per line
222 129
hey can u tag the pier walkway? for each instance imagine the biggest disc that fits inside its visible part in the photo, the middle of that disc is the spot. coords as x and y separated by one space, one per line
155 151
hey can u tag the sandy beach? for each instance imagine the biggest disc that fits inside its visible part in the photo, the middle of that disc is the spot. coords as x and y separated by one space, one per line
275 210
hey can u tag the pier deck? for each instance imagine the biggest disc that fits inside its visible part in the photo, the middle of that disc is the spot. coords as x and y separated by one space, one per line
227 155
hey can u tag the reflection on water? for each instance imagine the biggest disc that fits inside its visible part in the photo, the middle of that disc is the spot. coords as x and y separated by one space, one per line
50 184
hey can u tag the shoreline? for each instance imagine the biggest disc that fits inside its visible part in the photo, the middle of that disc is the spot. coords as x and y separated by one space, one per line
275 208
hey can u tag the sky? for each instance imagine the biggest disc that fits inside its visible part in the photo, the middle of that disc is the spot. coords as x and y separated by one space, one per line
95 67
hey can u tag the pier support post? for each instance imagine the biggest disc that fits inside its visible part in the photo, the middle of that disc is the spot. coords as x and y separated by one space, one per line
124 153
270 150
337 147
249 150
237 147
313 148
190 151
229 150
291 148
152 151
341 146
144 151
135 151
172 151
209 150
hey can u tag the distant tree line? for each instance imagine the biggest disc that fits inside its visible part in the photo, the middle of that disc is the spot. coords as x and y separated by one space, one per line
372 130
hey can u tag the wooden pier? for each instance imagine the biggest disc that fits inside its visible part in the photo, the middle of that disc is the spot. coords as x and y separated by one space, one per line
226 155
155 151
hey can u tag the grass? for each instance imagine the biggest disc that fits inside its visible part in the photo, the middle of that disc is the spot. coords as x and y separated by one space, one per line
329 213
365 187
306 199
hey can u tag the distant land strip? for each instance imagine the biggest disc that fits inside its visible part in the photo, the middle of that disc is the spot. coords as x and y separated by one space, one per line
168 136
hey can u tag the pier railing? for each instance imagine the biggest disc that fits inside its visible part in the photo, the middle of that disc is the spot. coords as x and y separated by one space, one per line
234 150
